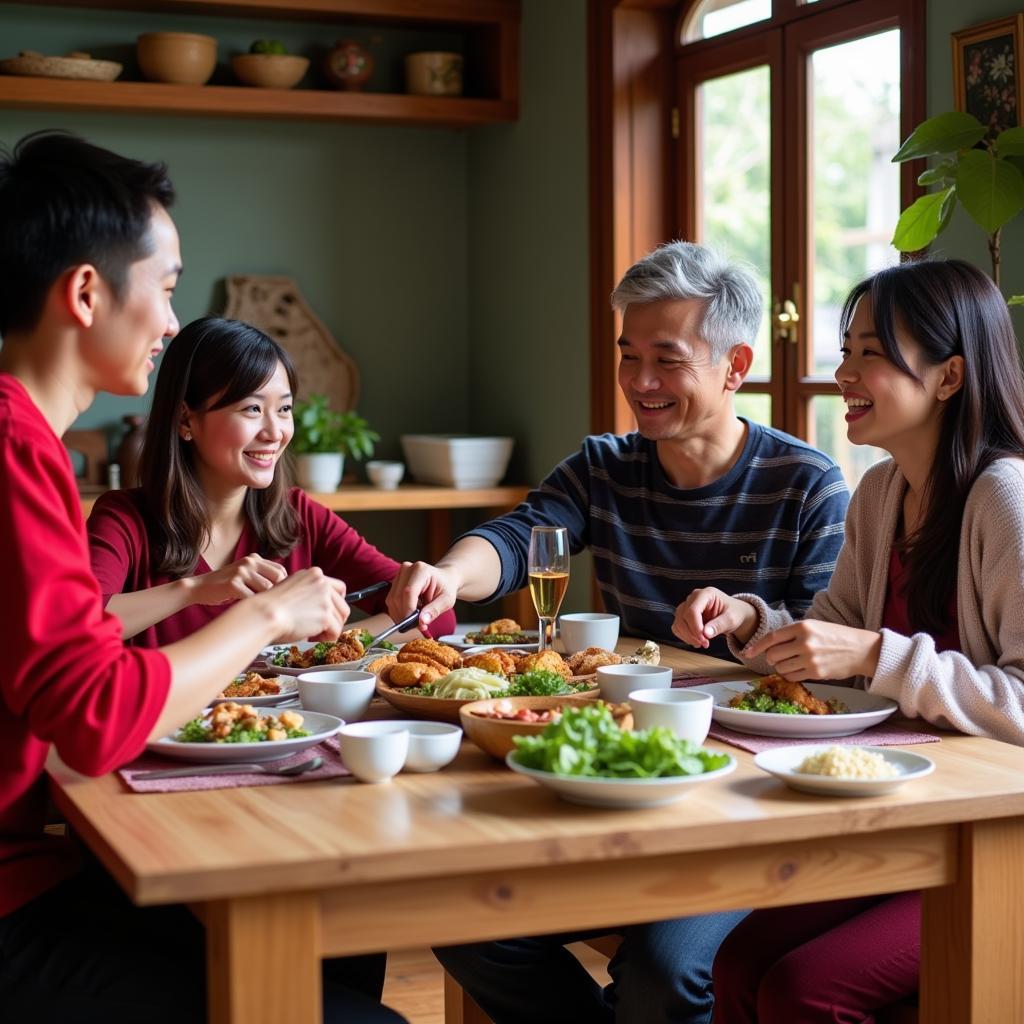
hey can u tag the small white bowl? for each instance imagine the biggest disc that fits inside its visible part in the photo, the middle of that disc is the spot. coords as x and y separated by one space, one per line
617 682
687 713
580 630
346 694
385 475
432 745
374 751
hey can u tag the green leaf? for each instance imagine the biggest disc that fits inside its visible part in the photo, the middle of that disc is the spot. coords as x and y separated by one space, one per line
942 173
1010 143
946 213
1015 300
991 190
945 133
920 222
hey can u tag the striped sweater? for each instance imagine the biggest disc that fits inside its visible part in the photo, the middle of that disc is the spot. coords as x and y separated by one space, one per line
772 525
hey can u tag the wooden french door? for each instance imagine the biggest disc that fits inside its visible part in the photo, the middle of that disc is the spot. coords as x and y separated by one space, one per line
786 130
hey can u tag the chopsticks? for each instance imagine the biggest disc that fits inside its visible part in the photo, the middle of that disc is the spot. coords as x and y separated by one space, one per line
358 595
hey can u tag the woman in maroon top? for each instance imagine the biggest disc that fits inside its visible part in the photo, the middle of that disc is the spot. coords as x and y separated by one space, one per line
215 519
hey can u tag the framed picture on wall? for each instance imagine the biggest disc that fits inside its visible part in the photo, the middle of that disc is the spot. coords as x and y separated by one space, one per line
986 72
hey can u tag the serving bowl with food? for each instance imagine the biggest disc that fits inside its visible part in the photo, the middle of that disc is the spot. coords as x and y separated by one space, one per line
773 706
493 724
844 770
295 659
233 733
428 679
501 633
586 758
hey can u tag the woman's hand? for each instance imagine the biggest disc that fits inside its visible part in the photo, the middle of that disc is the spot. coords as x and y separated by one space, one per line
436 587
708 613
813 649
248 576
308 605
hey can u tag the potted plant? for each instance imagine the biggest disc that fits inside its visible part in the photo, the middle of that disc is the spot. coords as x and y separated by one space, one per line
323 438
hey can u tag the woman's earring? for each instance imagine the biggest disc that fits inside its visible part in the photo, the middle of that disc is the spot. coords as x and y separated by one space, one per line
188 435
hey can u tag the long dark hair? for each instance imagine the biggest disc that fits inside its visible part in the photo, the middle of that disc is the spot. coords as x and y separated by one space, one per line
949 308
209 364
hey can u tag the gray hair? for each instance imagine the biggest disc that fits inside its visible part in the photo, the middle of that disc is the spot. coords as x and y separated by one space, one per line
684 270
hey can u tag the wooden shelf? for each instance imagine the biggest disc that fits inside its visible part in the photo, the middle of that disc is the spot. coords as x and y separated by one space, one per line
241 101
491 27
407 498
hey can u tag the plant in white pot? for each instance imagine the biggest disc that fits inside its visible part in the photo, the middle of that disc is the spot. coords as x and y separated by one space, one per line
323 438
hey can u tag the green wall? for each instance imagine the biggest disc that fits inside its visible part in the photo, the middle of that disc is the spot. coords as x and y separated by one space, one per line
451 265
963 238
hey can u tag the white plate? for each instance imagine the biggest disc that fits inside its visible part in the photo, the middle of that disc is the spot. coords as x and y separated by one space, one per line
601 792
459 641
319 726
262 663
289 691
782 763
866 710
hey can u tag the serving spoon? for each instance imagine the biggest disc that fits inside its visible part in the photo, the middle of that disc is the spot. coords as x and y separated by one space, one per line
230 769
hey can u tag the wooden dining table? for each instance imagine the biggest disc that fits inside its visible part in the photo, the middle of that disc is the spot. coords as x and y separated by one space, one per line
284 875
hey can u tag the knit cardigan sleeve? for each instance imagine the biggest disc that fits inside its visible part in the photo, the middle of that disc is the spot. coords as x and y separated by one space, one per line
979 691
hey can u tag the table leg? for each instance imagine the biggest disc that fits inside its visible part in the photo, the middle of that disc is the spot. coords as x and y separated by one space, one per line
263 960
972 933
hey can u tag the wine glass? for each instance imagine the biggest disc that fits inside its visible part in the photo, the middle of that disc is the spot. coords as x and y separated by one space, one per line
548 568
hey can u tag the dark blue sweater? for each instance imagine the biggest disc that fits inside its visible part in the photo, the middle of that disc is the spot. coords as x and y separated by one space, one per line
772 526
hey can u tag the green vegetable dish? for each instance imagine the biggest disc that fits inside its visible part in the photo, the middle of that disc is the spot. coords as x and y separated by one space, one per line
586 741
501 638
755 701
241 723
366 637
539 682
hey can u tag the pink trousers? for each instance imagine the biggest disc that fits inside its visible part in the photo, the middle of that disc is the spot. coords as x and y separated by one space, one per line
820 963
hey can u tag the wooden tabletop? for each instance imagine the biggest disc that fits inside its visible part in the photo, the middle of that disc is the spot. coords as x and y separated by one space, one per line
283 876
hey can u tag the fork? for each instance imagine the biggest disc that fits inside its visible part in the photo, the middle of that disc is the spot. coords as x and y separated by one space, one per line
230 769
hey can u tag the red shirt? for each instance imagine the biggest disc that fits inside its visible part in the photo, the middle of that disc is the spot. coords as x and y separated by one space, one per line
895 616
67 678
123 563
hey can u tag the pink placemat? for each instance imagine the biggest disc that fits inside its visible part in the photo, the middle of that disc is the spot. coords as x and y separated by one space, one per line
880 736
332 768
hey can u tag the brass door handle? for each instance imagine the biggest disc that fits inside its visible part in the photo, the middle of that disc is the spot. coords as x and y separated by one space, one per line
787 321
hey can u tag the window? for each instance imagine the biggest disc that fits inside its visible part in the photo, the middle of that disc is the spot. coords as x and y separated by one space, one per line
789 118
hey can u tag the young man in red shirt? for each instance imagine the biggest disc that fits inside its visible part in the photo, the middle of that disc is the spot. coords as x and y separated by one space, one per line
89 259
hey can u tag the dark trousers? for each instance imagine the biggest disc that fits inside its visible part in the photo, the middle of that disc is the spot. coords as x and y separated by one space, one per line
83 954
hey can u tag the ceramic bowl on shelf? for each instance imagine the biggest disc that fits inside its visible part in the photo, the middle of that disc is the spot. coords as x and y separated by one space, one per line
385 475
433 73
181 58
72 65
269 70
457 461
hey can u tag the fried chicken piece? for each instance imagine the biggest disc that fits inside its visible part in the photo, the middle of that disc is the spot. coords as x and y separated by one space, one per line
343 650
251 685
548 661
502 626
796 693
438 652
586 663
378 665
414 673
415 658
491 661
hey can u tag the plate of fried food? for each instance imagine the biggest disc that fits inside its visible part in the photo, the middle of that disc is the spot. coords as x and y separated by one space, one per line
257 690
307 656
774 706
500 634
233 733
429 679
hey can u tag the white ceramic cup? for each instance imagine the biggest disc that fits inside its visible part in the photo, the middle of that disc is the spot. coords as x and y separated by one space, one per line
374 751
617 682
345 694
687 713
580 630
432 745
385 475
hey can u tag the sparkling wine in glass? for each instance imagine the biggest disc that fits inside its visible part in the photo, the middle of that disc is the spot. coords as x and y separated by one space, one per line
548 568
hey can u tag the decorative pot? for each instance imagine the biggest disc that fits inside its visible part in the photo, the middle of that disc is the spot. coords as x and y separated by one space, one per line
348 66
433 73
319 472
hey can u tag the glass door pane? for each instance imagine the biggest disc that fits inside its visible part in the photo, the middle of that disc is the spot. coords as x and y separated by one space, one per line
855 187
734 175
827 431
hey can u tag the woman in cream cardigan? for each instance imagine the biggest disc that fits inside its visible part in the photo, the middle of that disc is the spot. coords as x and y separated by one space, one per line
926 605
